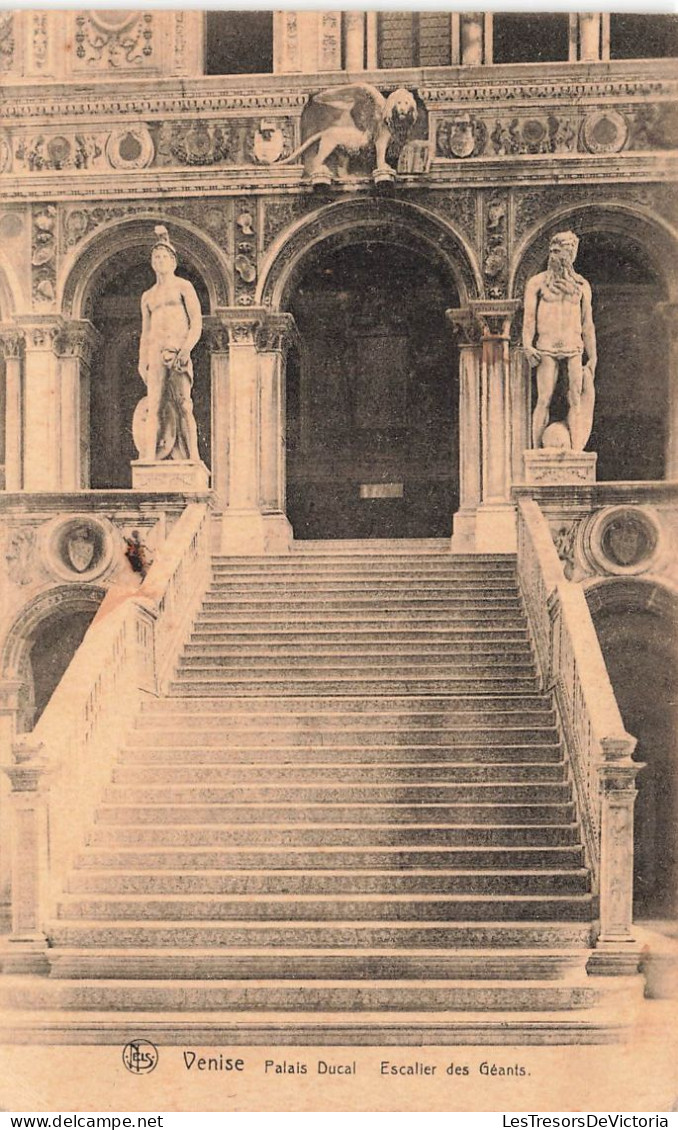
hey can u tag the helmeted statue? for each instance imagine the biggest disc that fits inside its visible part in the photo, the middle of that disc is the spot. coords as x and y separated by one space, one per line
558 326
164 425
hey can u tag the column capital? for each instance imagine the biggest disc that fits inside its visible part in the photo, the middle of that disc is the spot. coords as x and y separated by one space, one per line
483 318
239 323
495 315
276 333
12 341
41 331
77 338
29 765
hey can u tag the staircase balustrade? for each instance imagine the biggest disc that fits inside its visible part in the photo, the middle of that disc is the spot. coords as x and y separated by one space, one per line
59 770
599 749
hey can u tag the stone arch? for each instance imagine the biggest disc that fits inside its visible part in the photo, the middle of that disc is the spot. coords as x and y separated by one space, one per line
637 624
9 291
658 239
86 268
15 652
383 220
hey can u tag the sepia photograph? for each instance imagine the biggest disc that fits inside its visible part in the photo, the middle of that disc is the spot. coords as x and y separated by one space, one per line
338 559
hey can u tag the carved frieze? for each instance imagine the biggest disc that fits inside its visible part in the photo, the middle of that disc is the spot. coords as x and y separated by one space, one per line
212 215
35 153
495 243
245 260
5 151
115 40
6 41
459 205
43 253
281 213
561 91
461 136
532 206
130 147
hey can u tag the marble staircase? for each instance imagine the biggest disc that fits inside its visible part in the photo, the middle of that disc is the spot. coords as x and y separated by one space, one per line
352 813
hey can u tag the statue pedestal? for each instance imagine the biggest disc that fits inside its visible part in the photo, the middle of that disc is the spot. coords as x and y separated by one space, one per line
550 465
165 476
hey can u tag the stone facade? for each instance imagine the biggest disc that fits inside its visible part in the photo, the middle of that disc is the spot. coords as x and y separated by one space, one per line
109 127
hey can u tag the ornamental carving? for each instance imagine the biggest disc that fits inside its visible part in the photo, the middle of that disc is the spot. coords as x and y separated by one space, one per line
130 147
6 40
5 151
623 541
77 339
282 213
461 136
533 134
458 205
605 131
495 249
77 547
245 261
654 126
43 254
532 207
194 143
44 152
12 342
113 40
20 555
213 216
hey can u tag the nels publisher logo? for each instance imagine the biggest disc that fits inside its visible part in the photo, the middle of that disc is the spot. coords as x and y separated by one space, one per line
140 1057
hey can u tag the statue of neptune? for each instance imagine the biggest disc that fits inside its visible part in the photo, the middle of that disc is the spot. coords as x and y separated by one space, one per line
558 314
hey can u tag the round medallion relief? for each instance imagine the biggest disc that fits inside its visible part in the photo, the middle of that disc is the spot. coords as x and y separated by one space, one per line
130 148
79 547
623 540
605 132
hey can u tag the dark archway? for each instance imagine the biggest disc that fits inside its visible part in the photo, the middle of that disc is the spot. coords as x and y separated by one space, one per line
628 262
372 402
113 305
637 626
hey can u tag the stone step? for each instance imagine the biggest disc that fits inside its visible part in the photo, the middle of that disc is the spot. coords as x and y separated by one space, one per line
319 858
482 635
357 604
449 738
212 681
324 772
360 706
266 996
302 795
366 835
346 935
370 668
475 615
365 549
159 753
496 714
272 585
500 652
512 965
330 908
327 882
337 814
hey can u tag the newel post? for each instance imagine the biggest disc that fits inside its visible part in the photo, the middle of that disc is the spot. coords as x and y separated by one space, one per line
617 776
27 948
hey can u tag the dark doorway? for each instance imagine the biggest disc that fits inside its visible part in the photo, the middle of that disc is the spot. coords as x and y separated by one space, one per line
641 654
53 646
372 404
115 386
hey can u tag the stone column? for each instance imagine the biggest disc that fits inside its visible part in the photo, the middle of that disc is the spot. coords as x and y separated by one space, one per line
470 470
41 405
12 342
472 37
495 519
216 334
255 430
27 946
354 24
75 345
589 36
520 401
274 337
669 311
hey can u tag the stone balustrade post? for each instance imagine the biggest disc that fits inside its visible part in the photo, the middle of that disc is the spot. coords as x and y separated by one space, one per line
274 337
354 39
12 343
468 335
27 943
217 336
617 776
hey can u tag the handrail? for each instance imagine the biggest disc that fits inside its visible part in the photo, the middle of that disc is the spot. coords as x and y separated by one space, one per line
127 652
571 664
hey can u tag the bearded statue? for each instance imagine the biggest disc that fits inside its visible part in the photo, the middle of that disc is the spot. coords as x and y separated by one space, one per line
558 330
